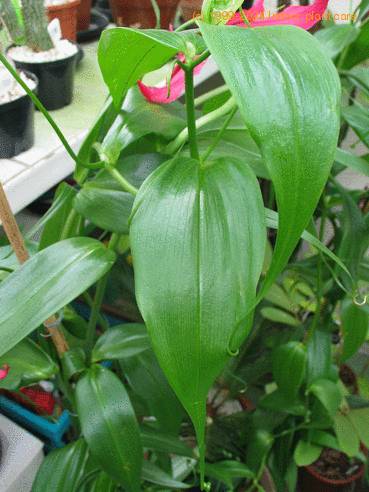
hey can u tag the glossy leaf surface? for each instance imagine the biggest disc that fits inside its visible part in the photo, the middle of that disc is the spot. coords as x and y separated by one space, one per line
153 474
126 54
306 453
290 105
289 366
121 341
328 393
336 38
62 469
198 242
28 364
109 426
46 283
355 325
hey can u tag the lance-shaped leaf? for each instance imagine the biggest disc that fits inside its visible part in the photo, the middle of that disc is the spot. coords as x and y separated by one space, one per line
126 55
46 283
198 242
288 92
109 426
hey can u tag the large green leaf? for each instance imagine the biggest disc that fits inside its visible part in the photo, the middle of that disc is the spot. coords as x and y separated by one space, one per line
28 364
289 366
288 92
47 282
153 474
198 243
328 393
109 426
359 49
126 55
63 468
347 435
306 453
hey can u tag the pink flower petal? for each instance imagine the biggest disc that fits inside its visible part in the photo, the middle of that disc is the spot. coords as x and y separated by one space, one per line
4 372
304 17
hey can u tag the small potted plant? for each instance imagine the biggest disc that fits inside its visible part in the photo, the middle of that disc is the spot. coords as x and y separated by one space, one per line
126 13
67 12
16 112
50 58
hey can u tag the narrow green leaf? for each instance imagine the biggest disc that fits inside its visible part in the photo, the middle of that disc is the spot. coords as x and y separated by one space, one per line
289 366
164 442
121 341
336 38
324 439
278 296
63 468
278 402
109 426
279 316
347 436
273 87
261 441
126 55
227 471
306 453
328 393
73 362
47 282
319 353
355 325
352 161
196 268
358 118
359 49
153 474
28 364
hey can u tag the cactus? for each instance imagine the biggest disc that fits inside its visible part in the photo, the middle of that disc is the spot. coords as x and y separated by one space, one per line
10 20
35 25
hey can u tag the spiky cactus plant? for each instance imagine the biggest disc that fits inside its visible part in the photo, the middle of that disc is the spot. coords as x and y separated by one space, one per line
33 31
35 25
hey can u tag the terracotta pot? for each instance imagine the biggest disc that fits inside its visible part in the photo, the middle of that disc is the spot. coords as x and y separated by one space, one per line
67 15
128 13
311 480
190 8
84 15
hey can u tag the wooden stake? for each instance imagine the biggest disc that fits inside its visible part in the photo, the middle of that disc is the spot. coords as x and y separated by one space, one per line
17 243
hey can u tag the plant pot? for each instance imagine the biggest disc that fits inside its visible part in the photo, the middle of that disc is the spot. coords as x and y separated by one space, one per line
84 15
310 479
21 456
17 125
190 8
67 15
56 80
127 13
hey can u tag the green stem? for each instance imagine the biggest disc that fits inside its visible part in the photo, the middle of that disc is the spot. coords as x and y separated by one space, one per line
46 114
68 226
126 186
184 26
98 299
101 319
204 120
191 120
208 95
156 8
217 139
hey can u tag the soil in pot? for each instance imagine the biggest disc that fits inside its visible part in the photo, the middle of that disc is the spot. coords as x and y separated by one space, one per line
128 13
66 11
16 118
54 69
332 472
84 15
190 8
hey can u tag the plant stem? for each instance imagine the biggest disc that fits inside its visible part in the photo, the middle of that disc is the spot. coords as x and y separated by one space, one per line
204 120
156 8
208 95
97 302
217 139
126 186
191 120
69 223
183 26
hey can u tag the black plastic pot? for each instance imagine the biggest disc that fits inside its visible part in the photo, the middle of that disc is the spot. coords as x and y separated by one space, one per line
17 125
56 80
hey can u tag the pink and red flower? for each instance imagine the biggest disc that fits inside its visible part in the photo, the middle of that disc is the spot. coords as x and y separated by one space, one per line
301 16
4 371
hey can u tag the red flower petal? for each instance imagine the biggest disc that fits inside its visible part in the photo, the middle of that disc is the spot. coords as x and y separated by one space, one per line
4 371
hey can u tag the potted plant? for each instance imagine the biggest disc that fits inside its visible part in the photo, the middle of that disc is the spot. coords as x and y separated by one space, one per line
69 13
239 294
84 15
126 13
51 59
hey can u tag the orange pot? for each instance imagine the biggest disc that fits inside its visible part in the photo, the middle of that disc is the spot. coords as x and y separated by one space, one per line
67 15
128 13
84 15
